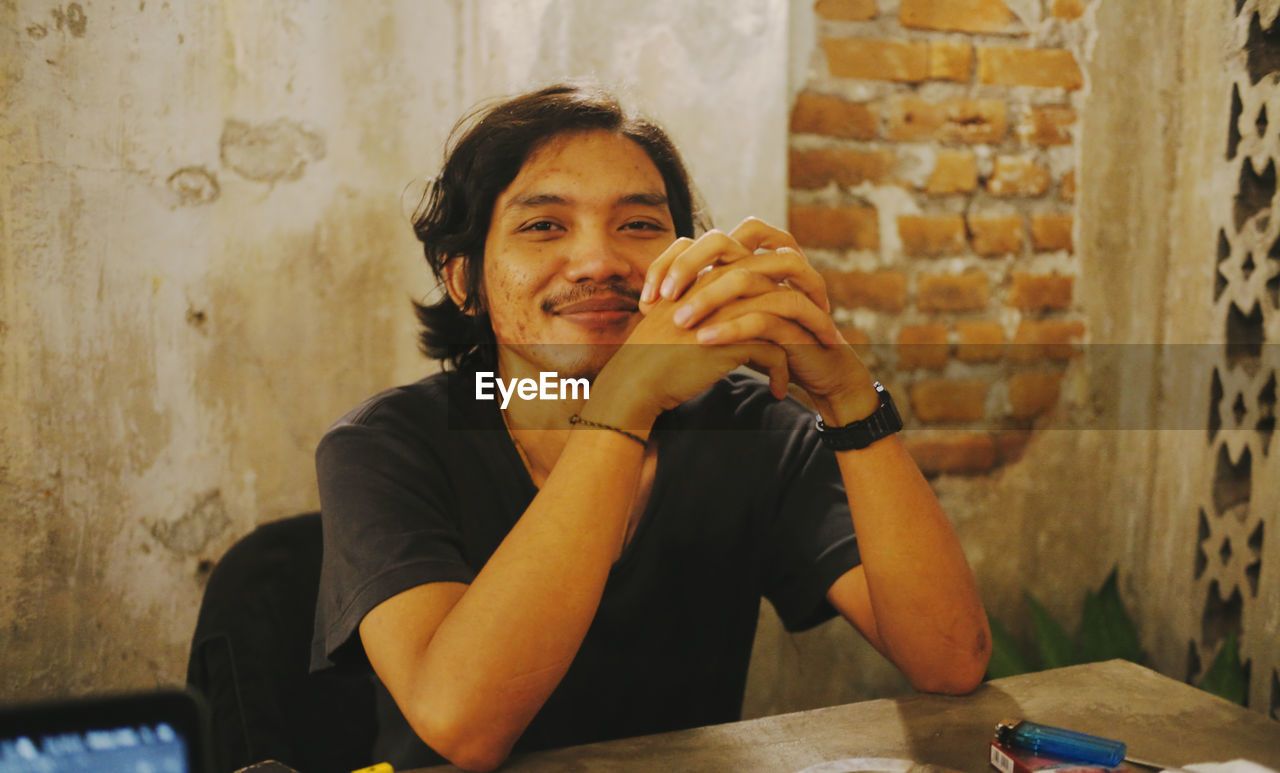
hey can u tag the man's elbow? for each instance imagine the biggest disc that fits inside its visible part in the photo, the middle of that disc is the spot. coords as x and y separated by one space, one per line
952 681
477 758
464 744
957 675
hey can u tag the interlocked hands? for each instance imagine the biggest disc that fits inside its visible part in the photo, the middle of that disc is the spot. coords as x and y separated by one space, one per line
748 297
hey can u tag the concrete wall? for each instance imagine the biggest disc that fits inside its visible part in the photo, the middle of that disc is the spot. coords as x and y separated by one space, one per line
205 260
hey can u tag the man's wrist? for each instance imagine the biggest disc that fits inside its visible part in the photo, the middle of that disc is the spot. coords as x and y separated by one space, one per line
843 408
621 406
860 433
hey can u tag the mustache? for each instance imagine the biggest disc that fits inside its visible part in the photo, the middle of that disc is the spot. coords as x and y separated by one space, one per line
583 292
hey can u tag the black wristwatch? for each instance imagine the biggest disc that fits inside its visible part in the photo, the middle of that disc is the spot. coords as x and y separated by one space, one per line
884 421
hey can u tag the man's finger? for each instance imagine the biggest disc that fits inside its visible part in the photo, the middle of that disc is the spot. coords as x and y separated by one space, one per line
658 269
711 248
756 325
720 289
770 361
755 234
792 267
752 275
755 317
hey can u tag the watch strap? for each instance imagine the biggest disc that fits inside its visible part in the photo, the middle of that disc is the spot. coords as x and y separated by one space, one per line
855 435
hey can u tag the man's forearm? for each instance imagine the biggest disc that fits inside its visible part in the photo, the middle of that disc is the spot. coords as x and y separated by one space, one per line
508 641
929 618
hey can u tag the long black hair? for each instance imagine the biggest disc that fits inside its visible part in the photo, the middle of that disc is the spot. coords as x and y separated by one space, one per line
486 151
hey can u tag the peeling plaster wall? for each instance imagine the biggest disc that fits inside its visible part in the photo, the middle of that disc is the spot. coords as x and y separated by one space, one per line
204 260
1056 521
1152 191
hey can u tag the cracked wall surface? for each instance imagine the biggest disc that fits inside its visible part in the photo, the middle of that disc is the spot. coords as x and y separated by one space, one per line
203 263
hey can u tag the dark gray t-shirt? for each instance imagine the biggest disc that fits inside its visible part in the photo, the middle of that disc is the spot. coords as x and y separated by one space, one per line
421 483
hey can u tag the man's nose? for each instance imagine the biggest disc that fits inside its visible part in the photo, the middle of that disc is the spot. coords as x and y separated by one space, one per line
596 257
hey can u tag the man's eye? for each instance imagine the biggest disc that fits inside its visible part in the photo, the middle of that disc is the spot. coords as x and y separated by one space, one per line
642 225
540 225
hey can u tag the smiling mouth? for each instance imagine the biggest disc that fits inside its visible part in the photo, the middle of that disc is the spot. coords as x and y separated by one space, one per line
598 305
598 312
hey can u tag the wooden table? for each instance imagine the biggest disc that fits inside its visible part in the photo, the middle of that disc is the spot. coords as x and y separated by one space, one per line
1160 719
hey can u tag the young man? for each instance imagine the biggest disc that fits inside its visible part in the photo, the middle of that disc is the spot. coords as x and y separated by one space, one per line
567 569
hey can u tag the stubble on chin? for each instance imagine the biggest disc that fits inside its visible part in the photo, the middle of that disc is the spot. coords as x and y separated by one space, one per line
566 360
582 360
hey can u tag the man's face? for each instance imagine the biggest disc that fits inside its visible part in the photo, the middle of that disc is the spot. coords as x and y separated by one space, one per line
568 246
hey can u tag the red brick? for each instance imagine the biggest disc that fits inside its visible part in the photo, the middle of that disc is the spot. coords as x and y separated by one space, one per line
975 121
993 235
979 341
950 60
912 119
1032 393
951 452
931 235
955 171
948 400
953 292
922 346
880 290
834 117
1047 125
1017 176
1070 10
956 15
1042 67
1047 339
889 60
1067 188
1051 231
1040 292
835 227
1011 444
815 168
846 10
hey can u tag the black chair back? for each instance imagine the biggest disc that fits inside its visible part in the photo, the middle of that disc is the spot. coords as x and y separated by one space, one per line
250 656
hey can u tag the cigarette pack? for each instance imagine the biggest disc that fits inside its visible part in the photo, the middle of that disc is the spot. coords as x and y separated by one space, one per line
1008 760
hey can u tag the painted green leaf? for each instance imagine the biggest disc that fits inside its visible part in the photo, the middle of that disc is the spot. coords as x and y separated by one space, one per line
1225 677
1006 658
1053 645
1106 629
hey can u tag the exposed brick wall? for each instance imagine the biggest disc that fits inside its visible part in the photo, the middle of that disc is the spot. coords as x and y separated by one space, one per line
932 178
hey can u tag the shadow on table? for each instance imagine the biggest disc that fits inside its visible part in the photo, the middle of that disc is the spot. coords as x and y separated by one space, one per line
955 732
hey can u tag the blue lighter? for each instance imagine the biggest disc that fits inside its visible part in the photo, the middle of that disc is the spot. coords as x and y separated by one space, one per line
1056 742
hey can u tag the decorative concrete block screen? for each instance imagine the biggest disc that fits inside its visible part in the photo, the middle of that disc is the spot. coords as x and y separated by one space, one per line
1240 495
932 175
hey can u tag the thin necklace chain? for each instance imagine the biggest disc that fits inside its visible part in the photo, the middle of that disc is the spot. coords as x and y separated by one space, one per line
519 448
